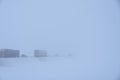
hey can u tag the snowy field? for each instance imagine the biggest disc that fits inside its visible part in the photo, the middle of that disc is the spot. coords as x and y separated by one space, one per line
89 28
59 68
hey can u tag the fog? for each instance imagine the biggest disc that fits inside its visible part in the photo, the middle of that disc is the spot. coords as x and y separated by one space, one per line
60 26
88 29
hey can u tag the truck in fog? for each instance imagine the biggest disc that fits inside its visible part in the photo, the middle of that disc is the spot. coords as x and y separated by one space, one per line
9 53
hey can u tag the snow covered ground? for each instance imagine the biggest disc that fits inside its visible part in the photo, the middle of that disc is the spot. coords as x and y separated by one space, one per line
57 68
89 28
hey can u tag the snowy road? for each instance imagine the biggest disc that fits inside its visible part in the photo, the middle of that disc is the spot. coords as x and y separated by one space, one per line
56 69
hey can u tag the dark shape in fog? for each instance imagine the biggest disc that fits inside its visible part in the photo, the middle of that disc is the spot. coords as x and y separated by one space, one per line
9 53
40 53
24 55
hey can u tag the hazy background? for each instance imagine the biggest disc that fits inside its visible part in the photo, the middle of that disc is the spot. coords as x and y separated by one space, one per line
84 27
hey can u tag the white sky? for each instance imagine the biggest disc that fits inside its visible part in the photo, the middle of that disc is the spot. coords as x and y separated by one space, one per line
61 26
